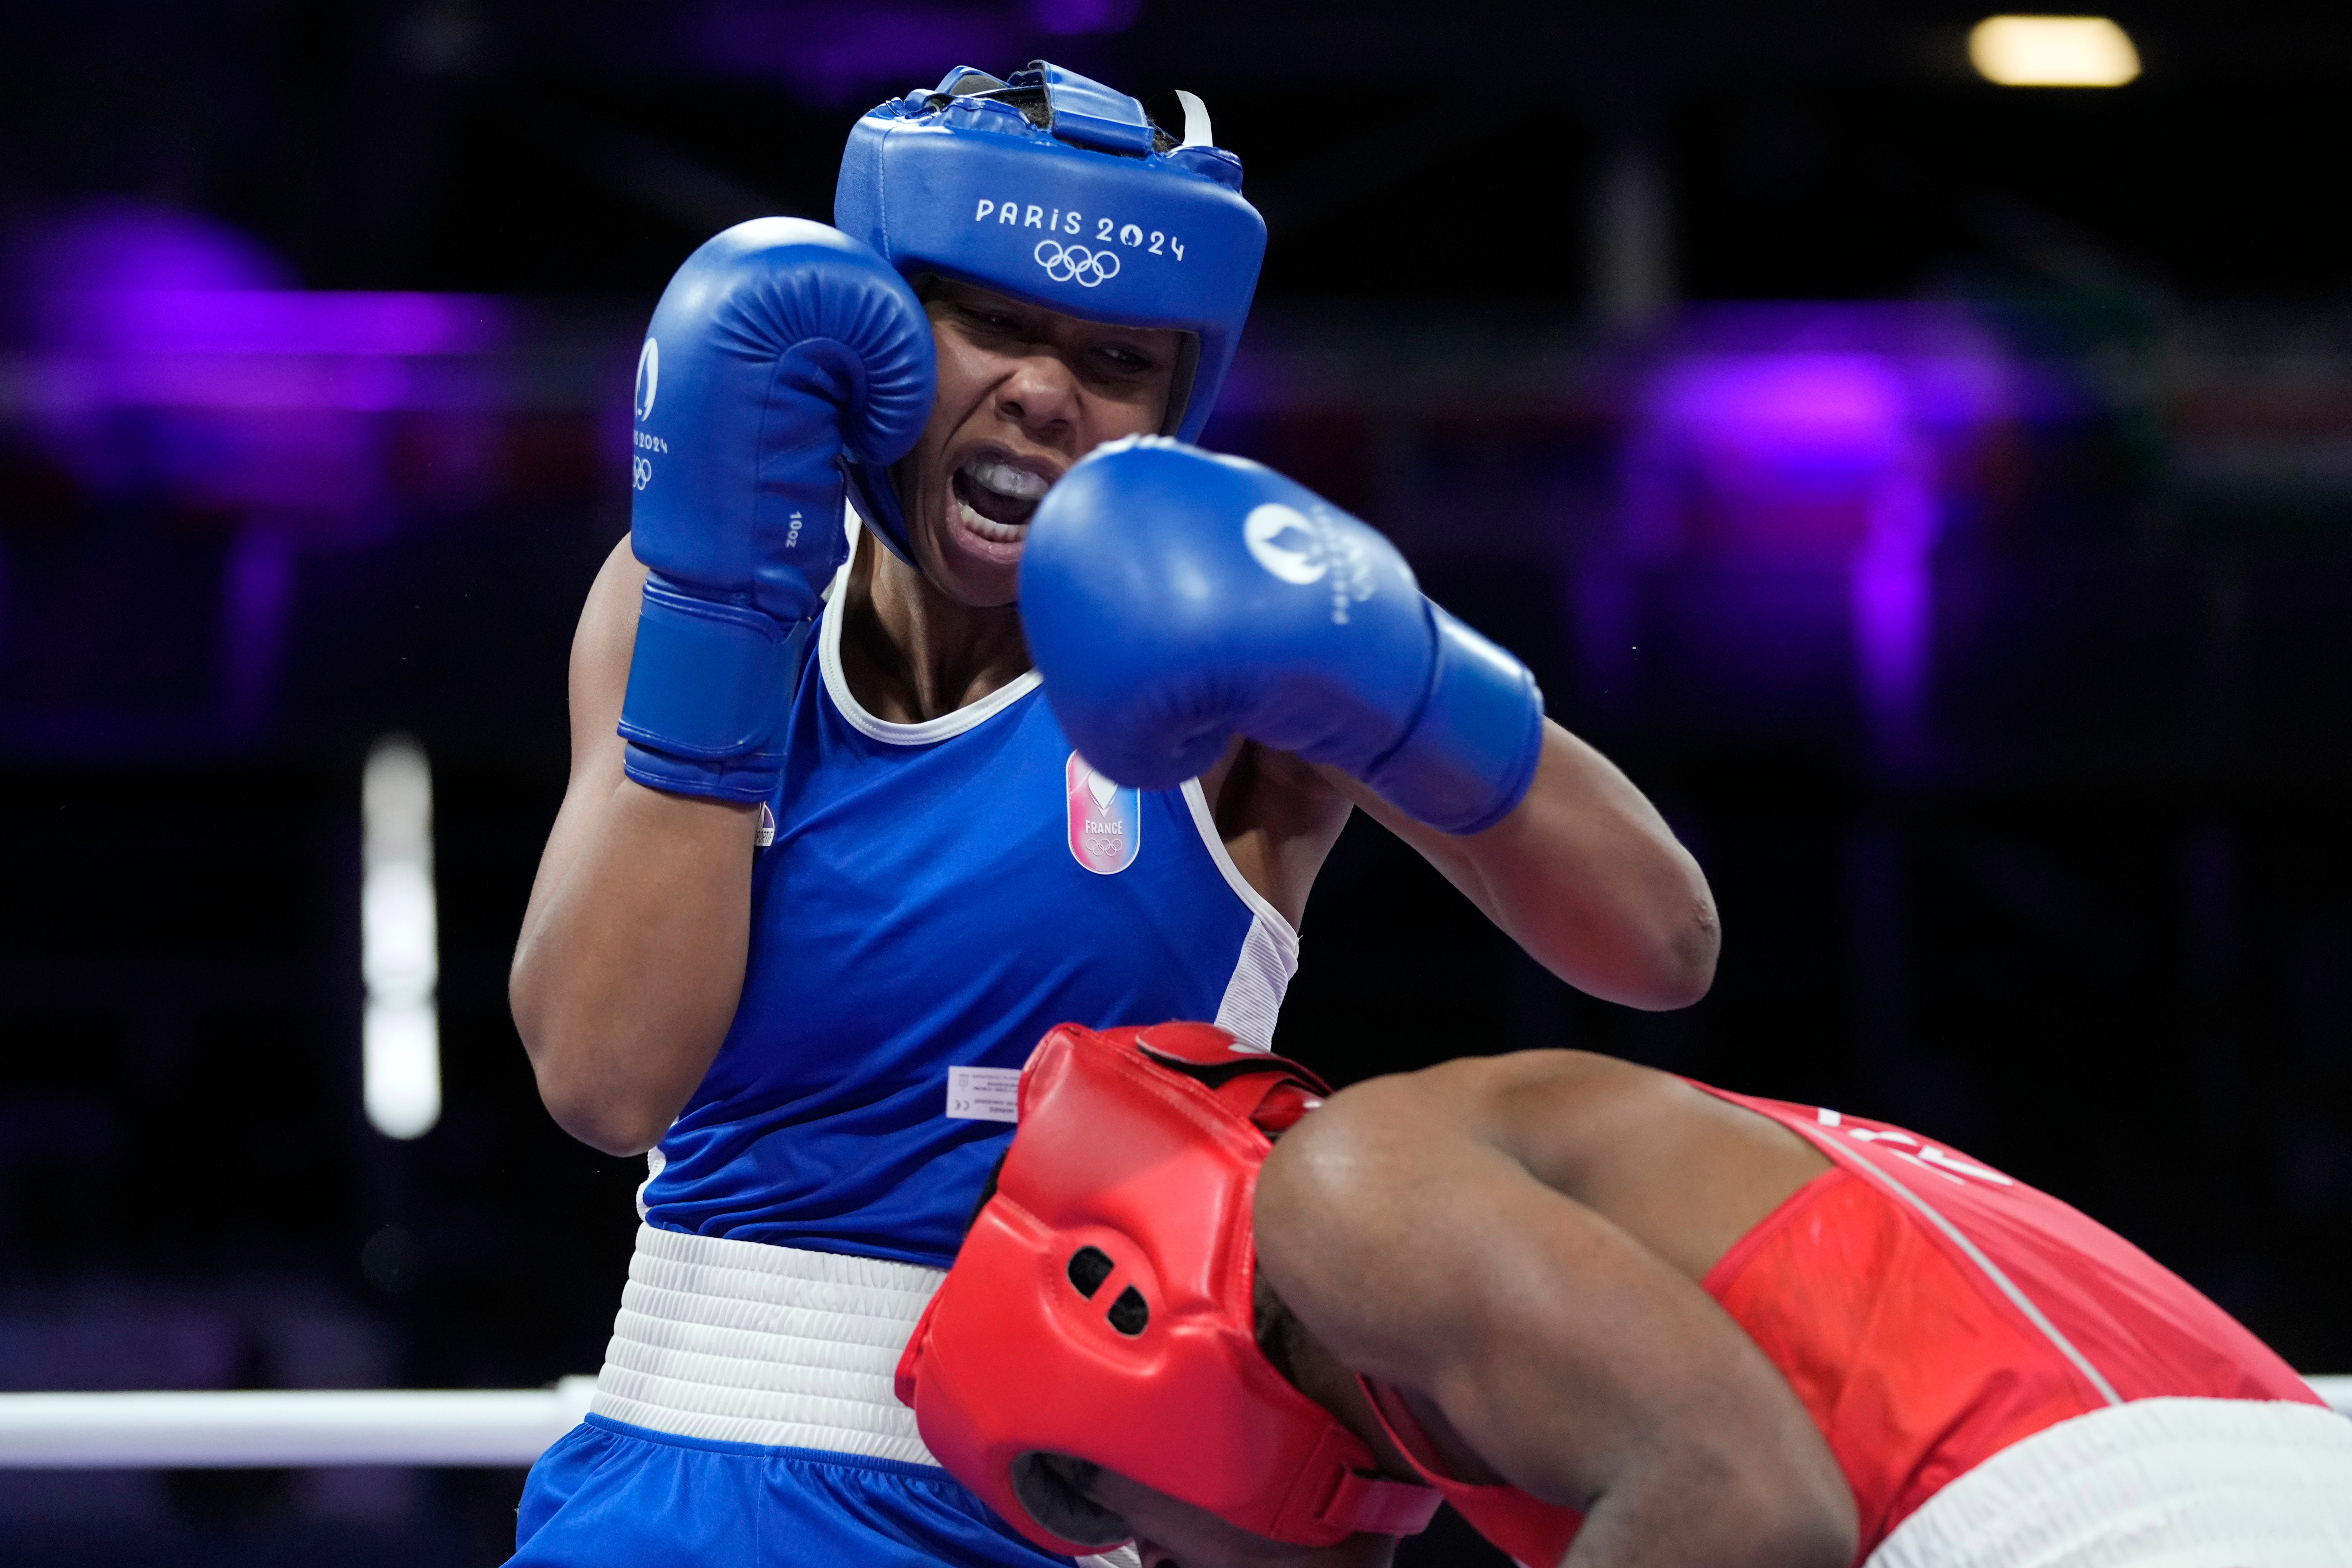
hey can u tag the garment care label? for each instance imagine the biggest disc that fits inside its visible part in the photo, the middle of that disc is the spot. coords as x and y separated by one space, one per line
984 1094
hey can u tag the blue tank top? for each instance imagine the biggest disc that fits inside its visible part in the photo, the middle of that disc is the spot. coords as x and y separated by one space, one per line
937 897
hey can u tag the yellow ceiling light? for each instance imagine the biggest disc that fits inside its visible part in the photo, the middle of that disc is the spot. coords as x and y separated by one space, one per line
2053 51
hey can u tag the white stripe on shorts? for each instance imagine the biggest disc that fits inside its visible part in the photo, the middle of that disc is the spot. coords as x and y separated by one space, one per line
2154 1483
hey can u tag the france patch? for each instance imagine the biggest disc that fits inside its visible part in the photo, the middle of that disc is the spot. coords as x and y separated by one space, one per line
1106 819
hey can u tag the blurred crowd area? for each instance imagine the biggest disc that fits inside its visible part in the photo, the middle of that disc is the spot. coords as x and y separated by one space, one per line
1938 497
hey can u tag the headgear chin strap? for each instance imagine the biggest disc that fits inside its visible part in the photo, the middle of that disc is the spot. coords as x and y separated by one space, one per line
1102 1305
1059 192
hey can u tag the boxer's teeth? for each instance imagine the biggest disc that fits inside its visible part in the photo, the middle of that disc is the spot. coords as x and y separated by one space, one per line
1014 484
989 528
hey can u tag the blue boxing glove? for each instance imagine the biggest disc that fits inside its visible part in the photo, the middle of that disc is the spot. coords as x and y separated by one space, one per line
1172 598
781 345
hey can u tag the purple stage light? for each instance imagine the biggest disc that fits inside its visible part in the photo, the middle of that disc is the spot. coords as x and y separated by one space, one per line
1064 18
272 322
1796 412
167 364
115 245
143 308
1893 594
1775 448
257 593
259 350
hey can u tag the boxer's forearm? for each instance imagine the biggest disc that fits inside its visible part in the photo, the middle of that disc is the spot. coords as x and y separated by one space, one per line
631 962
1586 876
631 958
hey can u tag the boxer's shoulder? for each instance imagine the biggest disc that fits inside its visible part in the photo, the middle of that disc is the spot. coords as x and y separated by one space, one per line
1681 1171
1494 1098
1397 1225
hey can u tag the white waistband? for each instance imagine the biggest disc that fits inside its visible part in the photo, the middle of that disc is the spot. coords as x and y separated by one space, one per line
2154 1483
739 1341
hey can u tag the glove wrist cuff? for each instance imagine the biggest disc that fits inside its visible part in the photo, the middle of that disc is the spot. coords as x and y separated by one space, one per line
707 687
748 782
1470 754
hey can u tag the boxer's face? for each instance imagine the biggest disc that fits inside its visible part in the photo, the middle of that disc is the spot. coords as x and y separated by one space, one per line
1024 394
1170 1533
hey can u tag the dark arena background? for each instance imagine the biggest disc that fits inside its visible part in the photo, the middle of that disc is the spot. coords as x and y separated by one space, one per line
1938 494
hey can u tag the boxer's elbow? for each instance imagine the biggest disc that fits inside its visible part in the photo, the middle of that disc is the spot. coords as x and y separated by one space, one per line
1812 1539
1805 1527
587 1083
606 1129
1795 1508
1643 935
1681 955
604 1115
1654 964
1761 1512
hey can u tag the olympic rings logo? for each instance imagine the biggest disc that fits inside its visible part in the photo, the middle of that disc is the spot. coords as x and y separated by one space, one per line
1077 264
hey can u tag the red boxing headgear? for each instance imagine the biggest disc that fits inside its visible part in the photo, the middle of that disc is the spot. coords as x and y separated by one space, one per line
1101 1307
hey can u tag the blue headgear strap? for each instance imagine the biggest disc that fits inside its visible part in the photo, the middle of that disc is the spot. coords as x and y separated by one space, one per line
1060 193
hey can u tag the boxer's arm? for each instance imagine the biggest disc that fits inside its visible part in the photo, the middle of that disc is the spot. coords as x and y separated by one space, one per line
1583 874
1174 598
1407 1238
631 959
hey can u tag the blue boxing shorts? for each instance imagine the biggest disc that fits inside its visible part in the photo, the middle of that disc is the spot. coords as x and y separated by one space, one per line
745 1418
608 1493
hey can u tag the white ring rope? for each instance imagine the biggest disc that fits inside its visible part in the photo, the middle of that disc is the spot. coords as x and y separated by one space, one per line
271 1429
501 1427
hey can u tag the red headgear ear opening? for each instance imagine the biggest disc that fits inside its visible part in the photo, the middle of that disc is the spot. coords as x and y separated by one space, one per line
1102 1305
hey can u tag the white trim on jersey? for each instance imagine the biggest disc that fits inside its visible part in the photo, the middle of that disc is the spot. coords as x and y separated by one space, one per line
1992 1270
1269 954
1269 950
931 730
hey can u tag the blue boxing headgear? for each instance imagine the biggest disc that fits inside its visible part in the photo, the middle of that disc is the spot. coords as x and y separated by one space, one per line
1058 191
